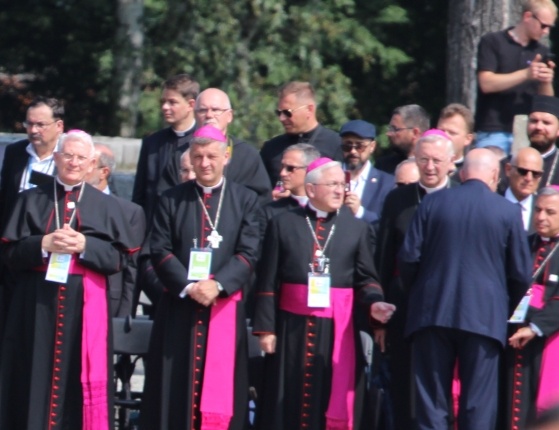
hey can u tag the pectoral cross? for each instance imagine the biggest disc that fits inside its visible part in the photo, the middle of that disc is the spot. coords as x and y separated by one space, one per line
214 238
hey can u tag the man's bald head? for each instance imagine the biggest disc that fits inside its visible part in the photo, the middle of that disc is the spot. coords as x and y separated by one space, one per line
481 164
213 107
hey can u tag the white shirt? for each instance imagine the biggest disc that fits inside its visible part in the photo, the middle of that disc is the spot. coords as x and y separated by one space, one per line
46 166
357 186
525 206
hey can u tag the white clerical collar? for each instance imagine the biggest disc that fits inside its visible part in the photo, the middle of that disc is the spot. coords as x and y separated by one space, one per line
550 152
429 190
66 186
184 132
319 213
460 160
526 203
302 200
208 190
106 190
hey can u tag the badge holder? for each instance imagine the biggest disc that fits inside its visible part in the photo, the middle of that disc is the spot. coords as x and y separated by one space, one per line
318 283
200 264
58 268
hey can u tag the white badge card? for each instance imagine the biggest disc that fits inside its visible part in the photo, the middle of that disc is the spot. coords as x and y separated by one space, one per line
519 315
199 267
319 291
58 268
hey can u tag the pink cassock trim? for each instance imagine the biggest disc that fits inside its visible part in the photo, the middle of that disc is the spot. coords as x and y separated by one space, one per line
293 298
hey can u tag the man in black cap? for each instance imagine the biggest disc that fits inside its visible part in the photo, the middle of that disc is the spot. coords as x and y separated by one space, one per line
543 130
367 186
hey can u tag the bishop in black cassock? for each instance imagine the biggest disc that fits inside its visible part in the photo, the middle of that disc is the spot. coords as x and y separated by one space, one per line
314 370
56 356
196 373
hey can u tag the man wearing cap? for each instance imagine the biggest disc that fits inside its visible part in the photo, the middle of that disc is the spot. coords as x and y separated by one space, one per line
245 166
204 245
367 186
296 111
433 155
316 283
62 240
543 130
460 297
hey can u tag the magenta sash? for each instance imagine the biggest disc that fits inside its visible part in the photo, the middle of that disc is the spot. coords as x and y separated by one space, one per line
216 404
548 388
339 415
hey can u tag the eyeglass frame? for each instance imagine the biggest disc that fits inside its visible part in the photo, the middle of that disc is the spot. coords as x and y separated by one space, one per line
80 159
290 168
288 113
392 129
522 171
39 125
543 26
359 146
217 111
332 185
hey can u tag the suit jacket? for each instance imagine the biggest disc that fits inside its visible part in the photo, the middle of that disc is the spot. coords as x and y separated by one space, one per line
122 285
15 162
466 261
377 187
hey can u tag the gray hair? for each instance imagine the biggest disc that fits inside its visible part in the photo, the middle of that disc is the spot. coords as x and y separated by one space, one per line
414 116
433 138
105 158
80 136
310 153
314 175
203 141
552 190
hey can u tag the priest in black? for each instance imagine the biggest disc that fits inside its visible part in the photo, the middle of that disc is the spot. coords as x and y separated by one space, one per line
204 245
399 207
56 356
297 114
533 351
317 285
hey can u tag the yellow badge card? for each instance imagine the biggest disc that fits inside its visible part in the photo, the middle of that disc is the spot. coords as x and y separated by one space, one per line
58 268
199 267
319 291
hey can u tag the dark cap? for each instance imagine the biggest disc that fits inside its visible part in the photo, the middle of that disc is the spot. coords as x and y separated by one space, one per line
360 128
548 104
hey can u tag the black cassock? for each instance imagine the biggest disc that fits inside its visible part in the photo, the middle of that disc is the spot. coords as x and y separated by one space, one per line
175 368
524 365
300 371
40 357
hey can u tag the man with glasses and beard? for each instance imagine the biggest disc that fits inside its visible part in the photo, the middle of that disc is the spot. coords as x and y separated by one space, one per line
367 187
297 113
406 126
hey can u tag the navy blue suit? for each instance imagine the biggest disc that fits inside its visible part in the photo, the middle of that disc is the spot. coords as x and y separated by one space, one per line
377 187
466 261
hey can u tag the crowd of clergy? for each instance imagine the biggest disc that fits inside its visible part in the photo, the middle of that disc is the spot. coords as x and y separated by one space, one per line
441 251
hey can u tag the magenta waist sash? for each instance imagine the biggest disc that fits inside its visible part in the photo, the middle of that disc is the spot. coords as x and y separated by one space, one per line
94 353
293 298
548 388
216 404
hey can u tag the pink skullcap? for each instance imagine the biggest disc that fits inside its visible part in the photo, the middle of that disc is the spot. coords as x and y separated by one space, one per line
75 130
435 132
317 163
210 132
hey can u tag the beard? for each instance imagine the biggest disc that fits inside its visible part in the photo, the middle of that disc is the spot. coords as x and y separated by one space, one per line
540 142
353 164
403 149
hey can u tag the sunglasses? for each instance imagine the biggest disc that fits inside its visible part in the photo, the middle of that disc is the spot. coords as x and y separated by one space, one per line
291 169
523 172
288 113
359 146
542 25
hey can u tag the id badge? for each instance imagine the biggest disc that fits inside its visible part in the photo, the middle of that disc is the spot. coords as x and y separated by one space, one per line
200 264
318 291
58 268
519 315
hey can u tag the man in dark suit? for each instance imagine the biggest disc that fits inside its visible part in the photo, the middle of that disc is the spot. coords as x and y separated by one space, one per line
461 297
524 173
158 165
433 156
367 187
122 285
245 166
29 160
407 124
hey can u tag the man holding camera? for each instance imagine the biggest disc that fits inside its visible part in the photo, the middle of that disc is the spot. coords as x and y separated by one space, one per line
512 67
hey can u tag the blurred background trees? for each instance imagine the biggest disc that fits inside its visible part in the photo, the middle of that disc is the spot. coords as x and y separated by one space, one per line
106 59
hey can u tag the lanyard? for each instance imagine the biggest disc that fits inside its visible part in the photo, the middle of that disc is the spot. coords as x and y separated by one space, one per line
56 212
320 251
214 238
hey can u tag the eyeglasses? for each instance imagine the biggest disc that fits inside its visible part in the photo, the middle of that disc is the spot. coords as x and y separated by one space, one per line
333 185
536 174
392 129
290 169
39 125
542 25
358 146
425 160
288 113
80 159
216 111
